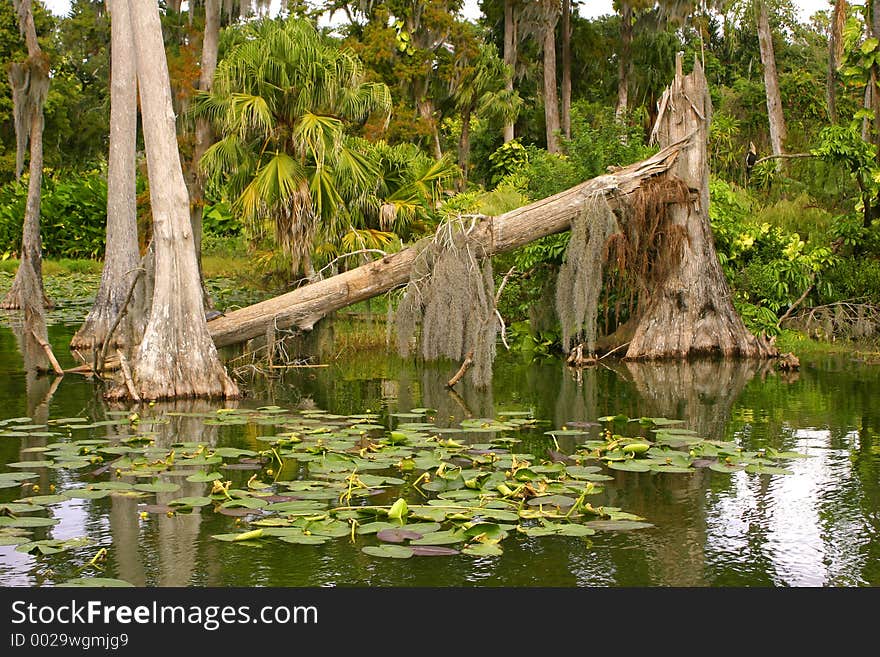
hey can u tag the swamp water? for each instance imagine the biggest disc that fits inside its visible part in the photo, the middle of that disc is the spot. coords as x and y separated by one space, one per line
769 479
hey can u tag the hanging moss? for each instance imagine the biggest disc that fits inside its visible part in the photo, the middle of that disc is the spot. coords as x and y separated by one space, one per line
450 295
580 277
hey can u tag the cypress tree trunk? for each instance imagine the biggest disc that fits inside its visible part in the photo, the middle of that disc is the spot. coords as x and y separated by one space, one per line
566 68
204 134
690 311
121 255
30 83
464 144
624 60
551 98
176 357
509 58
771 83
835 56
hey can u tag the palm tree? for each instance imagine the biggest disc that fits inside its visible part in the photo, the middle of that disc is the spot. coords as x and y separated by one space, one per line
478 86
285 97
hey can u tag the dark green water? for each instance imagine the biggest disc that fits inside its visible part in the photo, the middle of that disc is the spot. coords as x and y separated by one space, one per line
819 526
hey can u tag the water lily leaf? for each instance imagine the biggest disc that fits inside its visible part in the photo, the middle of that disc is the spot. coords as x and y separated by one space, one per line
111 485
486 531
668 468
483 550
501 515
6 539
573 529
437 514
726 468
552 500
447 537
375 527
103 582
191 501
432 551
30 464
246 502
86 493
204 477
20 507
237 538
398 510
302 539
617 525
396 535
6 521
388 551
630 466
43 499
158 487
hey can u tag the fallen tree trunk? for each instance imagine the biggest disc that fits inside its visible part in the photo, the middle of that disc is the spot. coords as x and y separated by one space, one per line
305 306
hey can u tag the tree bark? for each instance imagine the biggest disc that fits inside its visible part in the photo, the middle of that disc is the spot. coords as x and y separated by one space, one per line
835 56
176 357
510 43
690 312
624 60
566 68
306 305
121 254
464 145
551 98
771 83
204 134
30 82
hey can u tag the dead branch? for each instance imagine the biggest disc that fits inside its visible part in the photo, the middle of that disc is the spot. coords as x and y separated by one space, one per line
468 361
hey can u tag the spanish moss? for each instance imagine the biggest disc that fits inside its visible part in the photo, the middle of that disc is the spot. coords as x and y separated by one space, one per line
580 277
451 296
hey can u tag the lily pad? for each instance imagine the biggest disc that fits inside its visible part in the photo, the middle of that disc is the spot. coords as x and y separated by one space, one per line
483 550
158 487
204 477
630 466
28 522
191 501
396 535
552 500
388 551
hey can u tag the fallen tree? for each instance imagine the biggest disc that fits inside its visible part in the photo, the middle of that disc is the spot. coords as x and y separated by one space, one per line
306 305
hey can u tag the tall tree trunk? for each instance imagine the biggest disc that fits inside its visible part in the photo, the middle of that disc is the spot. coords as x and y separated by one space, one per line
690 312
510 43
771 83
835 56
425 106
30 84
121 255
204 134
176 357
464 145
624 60
551 98
566 68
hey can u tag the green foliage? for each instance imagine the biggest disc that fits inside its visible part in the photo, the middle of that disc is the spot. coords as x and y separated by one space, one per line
852 279
73 215
218 220
509 158
768 266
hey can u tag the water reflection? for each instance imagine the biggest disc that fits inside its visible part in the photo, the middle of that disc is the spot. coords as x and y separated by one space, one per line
816 527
